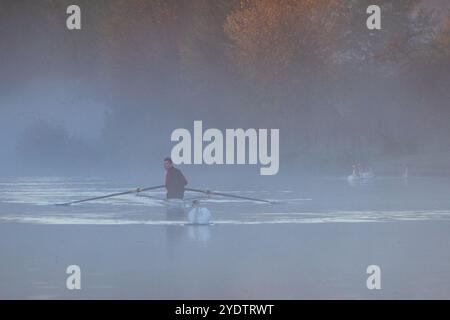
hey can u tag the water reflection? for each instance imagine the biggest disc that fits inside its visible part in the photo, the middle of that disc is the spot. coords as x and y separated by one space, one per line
180 235
174 213
199 233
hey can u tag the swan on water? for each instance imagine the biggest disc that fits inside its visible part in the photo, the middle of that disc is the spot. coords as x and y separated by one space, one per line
354 176
199 215
360 176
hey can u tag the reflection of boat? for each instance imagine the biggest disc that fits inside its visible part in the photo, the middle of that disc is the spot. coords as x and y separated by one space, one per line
175 209
175 203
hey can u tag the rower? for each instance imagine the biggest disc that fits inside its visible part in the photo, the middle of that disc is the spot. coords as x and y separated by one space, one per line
175 181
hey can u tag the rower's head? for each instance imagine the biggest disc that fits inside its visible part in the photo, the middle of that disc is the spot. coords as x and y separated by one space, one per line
168 163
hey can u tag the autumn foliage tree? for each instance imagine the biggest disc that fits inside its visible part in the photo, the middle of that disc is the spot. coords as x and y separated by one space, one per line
339 91
277 42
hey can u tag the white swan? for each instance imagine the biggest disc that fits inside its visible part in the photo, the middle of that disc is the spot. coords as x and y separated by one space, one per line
199 215
354 176
358 176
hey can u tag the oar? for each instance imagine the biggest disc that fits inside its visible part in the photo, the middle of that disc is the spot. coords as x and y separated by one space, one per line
208 192
111 195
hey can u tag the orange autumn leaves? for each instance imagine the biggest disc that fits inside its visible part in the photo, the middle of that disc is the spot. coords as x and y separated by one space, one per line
272 41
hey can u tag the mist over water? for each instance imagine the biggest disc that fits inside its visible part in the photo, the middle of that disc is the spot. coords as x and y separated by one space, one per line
103 101
364 174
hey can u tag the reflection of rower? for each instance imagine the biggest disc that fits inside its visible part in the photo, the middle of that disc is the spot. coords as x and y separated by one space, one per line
175 181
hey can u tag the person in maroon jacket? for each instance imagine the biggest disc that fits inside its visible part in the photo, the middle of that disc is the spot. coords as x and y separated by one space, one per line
175 181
